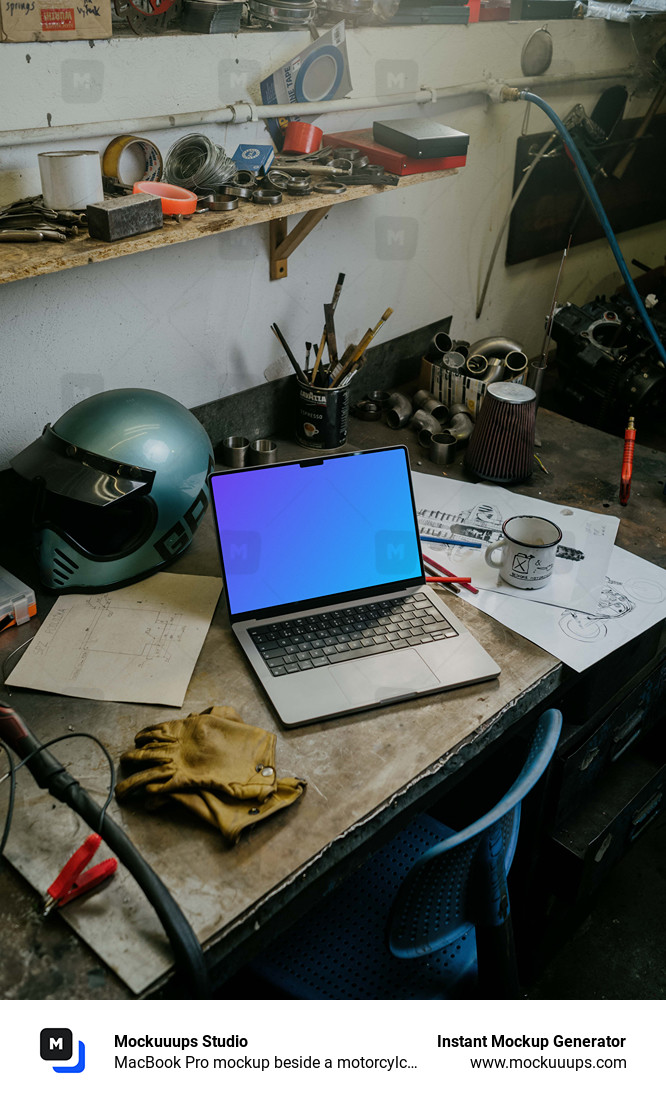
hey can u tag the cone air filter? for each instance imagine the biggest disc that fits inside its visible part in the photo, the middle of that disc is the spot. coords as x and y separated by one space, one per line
501 447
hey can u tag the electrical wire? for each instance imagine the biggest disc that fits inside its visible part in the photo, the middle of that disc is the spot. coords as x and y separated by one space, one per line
498 240
597 205
14 768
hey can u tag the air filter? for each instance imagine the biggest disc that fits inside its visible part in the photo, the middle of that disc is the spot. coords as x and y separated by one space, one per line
501 447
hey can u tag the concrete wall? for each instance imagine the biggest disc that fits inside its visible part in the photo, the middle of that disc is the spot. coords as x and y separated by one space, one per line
193 320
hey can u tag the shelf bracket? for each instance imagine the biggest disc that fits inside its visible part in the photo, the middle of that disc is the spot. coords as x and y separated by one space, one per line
283 243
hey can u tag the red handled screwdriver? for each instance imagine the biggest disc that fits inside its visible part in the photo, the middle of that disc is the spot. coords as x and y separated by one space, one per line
627 461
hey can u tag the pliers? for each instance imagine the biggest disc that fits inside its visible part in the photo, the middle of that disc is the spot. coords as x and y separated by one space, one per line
73 881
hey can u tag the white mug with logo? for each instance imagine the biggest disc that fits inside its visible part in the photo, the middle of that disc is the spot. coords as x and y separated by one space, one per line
528 551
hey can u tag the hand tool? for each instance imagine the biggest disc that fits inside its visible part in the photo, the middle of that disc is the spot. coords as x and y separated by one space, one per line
21 236
627 461
73 880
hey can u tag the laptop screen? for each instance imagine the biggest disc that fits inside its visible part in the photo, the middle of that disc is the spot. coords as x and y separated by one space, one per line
302 532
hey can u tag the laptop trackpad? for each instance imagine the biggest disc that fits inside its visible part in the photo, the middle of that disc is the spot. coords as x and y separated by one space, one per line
385 676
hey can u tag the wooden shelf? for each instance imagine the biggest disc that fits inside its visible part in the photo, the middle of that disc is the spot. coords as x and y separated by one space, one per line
27 261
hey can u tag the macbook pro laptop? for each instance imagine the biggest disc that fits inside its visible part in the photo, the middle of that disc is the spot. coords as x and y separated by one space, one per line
326 590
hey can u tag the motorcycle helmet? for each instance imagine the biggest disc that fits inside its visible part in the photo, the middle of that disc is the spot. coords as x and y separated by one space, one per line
121 488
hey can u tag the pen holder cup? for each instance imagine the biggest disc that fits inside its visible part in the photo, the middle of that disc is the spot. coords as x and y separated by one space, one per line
321 416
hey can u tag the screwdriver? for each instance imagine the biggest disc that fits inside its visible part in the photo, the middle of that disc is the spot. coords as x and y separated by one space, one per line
627 461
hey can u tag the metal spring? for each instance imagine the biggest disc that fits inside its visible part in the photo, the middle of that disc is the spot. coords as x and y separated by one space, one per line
195 162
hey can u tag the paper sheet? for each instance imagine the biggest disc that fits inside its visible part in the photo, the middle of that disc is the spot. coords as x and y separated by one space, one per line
633 599
135 645
455 509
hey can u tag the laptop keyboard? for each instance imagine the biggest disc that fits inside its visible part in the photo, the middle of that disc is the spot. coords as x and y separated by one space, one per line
334 636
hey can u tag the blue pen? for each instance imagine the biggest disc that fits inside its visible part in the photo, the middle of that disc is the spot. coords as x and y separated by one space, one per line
451 542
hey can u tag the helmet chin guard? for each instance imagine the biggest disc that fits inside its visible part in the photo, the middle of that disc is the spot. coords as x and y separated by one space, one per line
121 488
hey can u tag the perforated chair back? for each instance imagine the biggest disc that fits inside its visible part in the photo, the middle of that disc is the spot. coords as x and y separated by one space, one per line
462 879
413 922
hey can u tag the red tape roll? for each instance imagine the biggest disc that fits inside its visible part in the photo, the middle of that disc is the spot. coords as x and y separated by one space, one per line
302 137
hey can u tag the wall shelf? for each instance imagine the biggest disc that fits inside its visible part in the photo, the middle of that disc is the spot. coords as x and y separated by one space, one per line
27 261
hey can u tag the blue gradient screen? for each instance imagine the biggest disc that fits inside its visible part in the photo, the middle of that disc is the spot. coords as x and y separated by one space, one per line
302 532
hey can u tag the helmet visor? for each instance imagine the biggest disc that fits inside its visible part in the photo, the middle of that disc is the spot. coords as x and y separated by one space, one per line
77 474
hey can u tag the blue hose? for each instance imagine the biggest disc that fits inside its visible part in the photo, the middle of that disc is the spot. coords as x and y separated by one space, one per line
601 214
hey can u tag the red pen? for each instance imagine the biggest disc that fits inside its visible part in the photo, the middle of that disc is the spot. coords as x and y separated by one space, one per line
627 461
440 569
448 580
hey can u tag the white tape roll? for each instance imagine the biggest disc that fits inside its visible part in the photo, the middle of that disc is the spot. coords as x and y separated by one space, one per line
72 180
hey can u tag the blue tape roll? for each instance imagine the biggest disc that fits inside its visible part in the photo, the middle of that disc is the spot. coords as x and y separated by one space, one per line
316 55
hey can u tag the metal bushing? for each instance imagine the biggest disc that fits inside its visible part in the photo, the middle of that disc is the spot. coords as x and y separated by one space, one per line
245 178
223 201
267 196
442 448
330 188
237 191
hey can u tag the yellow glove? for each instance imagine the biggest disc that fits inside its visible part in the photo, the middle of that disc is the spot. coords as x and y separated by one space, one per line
215 751
231 816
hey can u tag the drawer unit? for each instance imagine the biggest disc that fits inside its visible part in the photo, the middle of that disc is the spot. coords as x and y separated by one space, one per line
625 802
587 751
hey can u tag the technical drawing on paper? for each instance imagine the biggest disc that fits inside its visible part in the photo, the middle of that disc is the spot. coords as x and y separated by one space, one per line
617 599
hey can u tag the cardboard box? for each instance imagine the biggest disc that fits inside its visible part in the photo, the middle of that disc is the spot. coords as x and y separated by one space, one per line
452 389
44 21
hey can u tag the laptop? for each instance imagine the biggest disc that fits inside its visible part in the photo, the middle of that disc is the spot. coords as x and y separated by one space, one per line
325 586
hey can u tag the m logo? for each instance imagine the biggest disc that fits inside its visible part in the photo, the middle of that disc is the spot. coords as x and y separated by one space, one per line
396 76
56 1045
391 551
82 81
396 238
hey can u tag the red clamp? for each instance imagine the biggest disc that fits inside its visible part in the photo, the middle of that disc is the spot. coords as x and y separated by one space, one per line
73 881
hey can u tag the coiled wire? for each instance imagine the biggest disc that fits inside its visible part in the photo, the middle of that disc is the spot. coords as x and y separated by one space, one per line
197 163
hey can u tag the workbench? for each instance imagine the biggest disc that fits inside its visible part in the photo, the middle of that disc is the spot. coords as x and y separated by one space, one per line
366 774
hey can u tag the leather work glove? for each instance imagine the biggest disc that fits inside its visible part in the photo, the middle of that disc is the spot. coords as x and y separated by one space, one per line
215 765
231 816
215 751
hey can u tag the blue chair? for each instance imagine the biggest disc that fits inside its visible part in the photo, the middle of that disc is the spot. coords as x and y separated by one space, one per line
427 917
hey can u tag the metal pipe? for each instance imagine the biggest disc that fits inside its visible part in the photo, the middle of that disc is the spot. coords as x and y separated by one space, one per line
425 425
249 112
399 410
430 404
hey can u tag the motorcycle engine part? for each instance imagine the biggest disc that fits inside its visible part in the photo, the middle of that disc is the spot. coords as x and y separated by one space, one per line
175 200
266 196
148 16
124 216
330 188
145 154
607 367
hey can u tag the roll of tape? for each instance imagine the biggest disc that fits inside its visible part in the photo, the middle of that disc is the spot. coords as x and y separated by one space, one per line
175 200
302 137
71 180
148 155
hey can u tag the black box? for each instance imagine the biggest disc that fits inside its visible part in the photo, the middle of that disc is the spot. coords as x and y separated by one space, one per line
125 216
421 137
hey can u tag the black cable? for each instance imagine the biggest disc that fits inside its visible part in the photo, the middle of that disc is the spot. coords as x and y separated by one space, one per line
49 773
11 775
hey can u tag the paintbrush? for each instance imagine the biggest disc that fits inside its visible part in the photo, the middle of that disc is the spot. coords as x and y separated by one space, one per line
292 358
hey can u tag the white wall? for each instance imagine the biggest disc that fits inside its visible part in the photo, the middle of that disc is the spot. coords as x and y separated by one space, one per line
193 320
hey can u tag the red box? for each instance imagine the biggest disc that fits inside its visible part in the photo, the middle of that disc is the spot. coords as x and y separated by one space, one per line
390 159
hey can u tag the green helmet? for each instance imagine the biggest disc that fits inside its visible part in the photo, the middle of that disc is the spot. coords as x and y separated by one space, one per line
121 480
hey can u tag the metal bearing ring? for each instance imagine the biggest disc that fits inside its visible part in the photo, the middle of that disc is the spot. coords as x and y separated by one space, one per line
266 196
279 179
237 191
330 188
244 178
223 202
298 184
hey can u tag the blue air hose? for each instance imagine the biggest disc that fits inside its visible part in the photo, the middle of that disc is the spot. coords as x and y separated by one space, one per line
601 214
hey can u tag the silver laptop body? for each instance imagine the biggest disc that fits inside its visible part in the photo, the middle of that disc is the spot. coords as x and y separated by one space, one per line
326 590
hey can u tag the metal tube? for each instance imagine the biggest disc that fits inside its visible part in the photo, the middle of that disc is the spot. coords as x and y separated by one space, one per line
399 410
250 112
